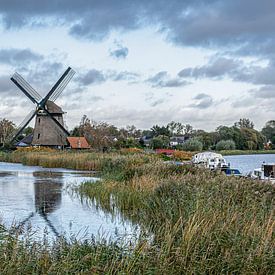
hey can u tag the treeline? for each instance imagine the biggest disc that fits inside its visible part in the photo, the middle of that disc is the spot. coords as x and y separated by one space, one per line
241 135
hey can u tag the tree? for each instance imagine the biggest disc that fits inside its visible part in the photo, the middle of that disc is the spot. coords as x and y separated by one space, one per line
99 134
253 140
27 131
193 144
160 131
6 129
175 128
159 142
269 131
188 129
244 123
226 145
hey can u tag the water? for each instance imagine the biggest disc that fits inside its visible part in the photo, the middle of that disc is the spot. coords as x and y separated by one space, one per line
246 163
40 197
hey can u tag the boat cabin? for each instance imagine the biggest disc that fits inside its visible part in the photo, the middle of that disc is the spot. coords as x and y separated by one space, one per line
266 172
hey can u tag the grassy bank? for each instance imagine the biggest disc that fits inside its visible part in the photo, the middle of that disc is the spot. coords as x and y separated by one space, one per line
201 222
245 152
91 161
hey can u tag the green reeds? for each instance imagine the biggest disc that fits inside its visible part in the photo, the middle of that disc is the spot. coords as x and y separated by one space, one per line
201 222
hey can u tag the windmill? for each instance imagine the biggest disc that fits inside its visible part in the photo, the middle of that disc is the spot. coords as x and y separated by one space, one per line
49 127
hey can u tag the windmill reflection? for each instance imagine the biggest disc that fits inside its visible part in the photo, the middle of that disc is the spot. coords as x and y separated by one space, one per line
48 195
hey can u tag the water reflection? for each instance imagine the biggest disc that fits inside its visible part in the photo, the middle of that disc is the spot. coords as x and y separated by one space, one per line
38 196
48 195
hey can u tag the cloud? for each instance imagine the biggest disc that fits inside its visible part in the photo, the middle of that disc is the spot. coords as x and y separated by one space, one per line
120 52
163 80
216 68
93 76
17 57
202 101
124 75
6 86
200 22
265 92
157 102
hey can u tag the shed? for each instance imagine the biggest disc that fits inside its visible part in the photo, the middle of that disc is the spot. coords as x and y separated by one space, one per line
78 143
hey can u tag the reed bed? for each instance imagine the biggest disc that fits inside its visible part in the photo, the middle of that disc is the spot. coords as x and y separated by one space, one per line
202 222
91 161
198 222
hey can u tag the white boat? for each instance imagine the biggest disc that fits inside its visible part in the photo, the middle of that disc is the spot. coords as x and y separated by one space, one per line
265 173
210 160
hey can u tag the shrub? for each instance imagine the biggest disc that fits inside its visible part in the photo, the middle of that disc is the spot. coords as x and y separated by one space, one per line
225 145
192 144
159 142
182 155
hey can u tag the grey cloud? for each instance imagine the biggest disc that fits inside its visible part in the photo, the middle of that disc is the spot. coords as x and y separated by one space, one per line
202 101
124 75
217 68
120 52
206 23
157 102
20 57
265 92
163 80
6 86
257 74
93 76
235 69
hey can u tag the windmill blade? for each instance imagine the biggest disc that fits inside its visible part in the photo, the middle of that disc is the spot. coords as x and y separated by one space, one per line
59 86
56 122
62 86
23 125
26 88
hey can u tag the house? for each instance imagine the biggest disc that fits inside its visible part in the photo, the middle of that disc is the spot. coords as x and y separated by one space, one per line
25 142
78 143
145 141
178 140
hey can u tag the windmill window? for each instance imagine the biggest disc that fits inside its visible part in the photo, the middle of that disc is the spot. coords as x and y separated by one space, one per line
38 136
39 120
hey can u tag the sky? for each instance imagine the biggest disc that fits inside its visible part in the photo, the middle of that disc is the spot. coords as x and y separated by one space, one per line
202 62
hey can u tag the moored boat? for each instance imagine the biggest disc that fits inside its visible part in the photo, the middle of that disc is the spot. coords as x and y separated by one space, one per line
210 160
265 173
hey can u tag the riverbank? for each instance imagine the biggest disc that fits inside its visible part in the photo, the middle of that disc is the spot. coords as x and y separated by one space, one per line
245 152
198 222
86 161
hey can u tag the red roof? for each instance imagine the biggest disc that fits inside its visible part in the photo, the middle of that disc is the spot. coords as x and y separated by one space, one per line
78 143
165 151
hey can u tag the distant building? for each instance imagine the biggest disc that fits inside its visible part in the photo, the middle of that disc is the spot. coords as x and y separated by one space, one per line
25 142
178 140
145 141
78 143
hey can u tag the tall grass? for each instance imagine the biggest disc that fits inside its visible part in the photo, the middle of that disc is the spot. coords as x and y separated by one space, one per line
201 222
74 160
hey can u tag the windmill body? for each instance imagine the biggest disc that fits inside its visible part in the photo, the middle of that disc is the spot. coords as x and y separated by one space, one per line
46 132
49 127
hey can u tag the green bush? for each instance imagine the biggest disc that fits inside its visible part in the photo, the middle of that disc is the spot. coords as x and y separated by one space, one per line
192 144
226 145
